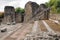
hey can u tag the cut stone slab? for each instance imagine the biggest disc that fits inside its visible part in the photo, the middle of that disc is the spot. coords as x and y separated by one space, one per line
3 30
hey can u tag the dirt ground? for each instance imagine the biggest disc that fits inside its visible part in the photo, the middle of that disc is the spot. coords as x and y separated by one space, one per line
53 25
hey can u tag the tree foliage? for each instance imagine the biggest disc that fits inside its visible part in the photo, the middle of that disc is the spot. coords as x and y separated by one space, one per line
19 10
55 6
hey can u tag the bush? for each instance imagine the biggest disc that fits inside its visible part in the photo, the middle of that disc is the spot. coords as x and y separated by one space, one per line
19 10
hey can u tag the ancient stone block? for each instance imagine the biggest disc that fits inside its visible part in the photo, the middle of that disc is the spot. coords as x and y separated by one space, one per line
3 29
30 8
9 14
42 13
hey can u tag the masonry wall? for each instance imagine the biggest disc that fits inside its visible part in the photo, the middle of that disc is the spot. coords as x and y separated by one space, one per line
30 8
18 17
9 14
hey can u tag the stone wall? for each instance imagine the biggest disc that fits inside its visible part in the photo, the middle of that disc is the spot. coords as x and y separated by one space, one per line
9 14
42 13
18 17
33 11
30 8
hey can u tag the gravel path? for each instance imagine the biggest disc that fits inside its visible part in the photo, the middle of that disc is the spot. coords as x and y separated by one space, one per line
53 25
20 33
10 30
35 28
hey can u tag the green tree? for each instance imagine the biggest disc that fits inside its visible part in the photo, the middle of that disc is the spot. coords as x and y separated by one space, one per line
19 10
55 6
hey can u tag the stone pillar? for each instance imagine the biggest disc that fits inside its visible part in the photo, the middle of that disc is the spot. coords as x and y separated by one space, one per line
30 8
9 14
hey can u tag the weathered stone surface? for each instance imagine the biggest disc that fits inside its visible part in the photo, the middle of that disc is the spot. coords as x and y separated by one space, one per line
18 17
9 14
42 7
4 30
41 13
35 12
12 17
30 8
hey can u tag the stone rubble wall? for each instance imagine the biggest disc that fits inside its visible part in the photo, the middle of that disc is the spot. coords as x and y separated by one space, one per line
9 14
30 8
34 11
18 17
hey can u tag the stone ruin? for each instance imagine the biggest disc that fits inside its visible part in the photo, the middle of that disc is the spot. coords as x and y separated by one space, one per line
42 13
19 17
9 14
36 12
30 8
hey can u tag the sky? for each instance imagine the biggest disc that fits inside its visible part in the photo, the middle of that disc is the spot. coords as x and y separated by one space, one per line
17 3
